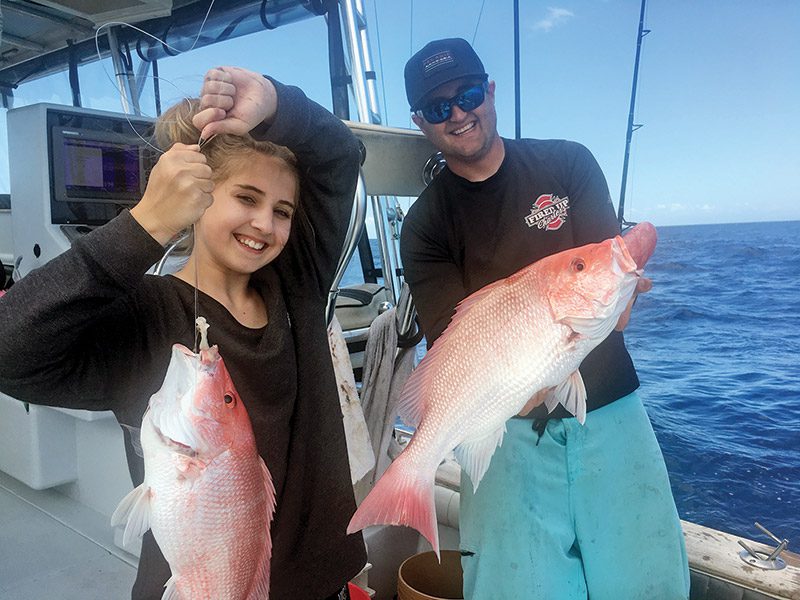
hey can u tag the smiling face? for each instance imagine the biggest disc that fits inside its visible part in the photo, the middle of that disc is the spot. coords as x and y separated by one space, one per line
249 222
466 137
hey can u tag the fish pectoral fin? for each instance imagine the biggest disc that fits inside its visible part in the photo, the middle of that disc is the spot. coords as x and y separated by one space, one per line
572 394
171 590
189 467
134 511
475 456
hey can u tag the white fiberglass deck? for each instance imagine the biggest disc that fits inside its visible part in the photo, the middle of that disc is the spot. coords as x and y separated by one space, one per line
52 547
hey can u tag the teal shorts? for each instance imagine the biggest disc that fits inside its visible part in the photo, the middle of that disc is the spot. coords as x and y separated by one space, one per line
586 512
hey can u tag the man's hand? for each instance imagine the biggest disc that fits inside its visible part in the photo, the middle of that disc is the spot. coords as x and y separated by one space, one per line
177 194
643 286
234 101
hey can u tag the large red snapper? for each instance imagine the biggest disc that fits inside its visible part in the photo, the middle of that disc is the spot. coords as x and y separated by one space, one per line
505 343
207 494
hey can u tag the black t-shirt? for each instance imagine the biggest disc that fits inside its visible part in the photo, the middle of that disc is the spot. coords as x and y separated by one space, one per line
547 196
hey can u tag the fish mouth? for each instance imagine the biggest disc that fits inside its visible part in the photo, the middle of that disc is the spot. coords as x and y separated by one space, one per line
173 414
623 262
640 242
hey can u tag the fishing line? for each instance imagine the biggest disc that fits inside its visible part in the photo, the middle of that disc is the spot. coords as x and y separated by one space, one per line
201 141
196 284
478 22
157 39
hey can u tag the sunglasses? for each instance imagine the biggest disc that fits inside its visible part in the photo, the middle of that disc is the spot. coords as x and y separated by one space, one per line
468 100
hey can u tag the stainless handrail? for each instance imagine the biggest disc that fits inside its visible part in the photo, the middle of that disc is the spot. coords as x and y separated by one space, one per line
406 312
170 249
357 219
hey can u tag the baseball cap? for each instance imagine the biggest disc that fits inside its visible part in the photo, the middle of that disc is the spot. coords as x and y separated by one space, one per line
440 61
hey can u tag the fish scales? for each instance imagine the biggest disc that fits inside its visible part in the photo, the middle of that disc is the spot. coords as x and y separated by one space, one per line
508 341
207 495
194 522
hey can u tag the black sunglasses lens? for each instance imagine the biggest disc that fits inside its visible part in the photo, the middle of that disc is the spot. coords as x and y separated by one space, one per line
470 99
467 100
437 113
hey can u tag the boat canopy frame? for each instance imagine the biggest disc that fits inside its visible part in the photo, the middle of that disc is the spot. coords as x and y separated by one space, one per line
51 36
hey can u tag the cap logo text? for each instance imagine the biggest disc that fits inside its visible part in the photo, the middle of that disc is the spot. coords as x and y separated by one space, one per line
440 59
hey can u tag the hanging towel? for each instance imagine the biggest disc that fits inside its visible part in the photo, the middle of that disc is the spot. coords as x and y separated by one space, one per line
359 447
386 369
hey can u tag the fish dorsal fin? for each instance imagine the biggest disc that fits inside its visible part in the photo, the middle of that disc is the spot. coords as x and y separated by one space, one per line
572 394
478 295
412 402
260 589
411 405
475 456
134 511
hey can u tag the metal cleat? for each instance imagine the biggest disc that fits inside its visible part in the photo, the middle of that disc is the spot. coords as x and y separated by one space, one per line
769 561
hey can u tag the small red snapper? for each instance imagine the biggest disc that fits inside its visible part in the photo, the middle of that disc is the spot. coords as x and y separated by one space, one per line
207 494
505 343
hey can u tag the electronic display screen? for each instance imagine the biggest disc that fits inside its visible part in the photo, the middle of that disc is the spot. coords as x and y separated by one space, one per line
99 166
98 169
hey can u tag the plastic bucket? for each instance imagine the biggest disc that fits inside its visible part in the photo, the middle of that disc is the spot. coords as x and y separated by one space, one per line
421 577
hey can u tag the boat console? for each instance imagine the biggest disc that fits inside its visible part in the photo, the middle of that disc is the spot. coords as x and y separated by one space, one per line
72 169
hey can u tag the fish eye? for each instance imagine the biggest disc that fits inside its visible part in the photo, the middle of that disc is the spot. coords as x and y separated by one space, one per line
578 264
228 399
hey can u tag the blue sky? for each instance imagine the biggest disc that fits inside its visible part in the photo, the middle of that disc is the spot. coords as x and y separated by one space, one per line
719 89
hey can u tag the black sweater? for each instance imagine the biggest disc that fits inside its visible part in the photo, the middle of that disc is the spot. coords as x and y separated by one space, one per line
90 330
547 196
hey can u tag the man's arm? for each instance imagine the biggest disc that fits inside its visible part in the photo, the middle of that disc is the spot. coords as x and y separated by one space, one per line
435 280
594 219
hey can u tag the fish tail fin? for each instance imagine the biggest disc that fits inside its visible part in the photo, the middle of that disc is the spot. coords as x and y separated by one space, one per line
404 495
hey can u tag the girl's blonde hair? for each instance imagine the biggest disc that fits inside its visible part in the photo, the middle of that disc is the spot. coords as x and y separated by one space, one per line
224 151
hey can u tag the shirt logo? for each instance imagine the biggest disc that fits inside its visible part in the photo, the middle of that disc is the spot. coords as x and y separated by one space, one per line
549 212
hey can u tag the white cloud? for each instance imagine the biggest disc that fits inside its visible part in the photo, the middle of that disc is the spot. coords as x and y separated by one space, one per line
678 207
555 16
673 207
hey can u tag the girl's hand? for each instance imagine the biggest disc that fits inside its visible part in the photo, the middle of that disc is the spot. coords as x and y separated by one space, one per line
234 100
177 194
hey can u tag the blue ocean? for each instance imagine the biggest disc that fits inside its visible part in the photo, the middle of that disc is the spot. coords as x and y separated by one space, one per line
717 349
716 344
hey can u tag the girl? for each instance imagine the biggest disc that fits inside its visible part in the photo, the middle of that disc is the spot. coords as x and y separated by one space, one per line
270 196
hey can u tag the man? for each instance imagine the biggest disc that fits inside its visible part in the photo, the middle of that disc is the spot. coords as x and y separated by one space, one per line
565 511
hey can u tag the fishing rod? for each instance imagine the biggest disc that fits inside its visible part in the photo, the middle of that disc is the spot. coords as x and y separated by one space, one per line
517 120
631 126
